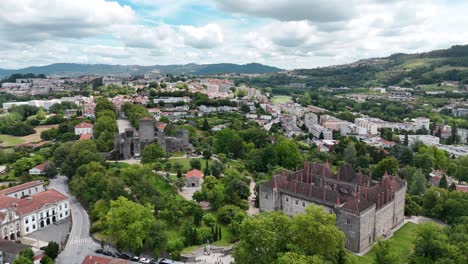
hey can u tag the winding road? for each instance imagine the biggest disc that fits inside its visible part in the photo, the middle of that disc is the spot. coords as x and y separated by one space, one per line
79 244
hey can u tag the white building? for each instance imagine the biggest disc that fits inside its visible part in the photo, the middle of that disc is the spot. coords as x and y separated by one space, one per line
425 139
316 130
421 122
310 119
83 128
29 207
39 169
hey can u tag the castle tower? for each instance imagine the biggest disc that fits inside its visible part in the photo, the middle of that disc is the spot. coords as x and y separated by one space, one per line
146 130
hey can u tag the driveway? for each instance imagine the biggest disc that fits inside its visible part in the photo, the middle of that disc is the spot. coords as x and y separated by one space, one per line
80 243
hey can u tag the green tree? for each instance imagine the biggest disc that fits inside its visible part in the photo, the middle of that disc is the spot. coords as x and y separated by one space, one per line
262 238
152 153
350 154
195 164
389 165
52 250
287 153
129 229
432 245
295 258
384 254
229 142
27 252
315 233
418 186
443 182
22 260
46 260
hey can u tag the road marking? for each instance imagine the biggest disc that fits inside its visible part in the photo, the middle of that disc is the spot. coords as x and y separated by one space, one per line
79 241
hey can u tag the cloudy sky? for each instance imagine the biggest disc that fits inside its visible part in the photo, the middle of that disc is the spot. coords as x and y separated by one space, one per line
284 33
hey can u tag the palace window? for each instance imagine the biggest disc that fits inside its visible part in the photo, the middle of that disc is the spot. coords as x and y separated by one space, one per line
287 199
27 229
26 221
348 221
266 197
303 204
297 201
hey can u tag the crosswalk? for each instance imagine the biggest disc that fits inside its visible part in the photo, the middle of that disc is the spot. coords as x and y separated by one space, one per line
79 241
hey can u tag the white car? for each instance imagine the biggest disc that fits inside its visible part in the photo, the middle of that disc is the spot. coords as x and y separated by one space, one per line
144 260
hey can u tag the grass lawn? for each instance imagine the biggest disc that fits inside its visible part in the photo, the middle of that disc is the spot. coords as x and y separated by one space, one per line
186 164
401 242
10 141
281 99
178 154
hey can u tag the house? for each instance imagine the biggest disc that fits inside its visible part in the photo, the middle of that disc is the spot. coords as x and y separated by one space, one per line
194 178
39 169
83 128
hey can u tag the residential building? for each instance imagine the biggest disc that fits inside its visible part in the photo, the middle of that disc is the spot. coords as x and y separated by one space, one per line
39 169
29 207
365 209
460 112
83 128
310 119
425 139
317 130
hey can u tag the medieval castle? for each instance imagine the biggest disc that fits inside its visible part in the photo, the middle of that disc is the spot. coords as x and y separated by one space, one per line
131 143
365 209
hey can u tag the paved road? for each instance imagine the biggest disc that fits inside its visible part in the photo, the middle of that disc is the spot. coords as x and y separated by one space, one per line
79 243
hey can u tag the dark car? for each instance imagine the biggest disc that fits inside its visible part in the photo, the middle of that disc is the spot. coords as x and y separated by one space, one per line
108 253
99 251
153 261
123 256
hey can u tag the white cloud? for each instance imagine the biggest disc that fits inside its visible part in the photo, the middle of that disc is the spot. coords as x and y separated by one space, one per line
205 37
38 20
287 10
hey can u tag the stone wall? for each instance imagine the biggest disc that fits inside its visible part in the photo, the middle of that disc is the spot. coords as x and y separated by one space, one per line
269 199
384 219
350 224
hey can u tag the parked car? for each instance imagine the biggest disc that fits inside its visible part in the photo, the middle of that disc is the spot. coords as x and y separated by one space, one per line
124 256
108 253
99 251
144 261
153 261
135 259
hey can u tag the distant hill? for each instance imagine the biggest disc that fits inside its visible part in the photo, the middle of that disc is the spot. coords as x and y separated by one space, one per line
402 69
74 69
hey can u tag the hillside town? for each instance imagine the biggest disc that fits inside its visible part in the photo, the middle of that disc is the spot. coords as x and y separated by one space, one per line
233 132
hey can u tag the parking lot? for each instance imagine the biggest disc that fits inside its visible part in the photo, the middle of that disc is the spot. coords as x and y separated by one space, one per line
55 232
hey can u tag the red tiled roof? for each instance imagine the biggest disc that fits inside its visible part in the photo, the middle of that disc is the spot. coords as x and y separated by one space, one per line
84 125
102 260
462 188
161 125
194 173
85 136
8 202
20 187
37 201
42 166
